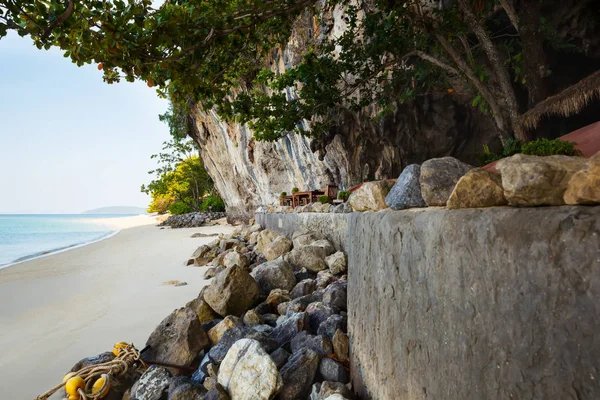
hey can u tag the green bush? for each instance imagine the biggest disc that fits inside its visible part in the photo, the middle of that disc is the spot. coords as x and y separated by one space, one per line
283 194
513 146
324 199
343 195
295 190
545 147
179 208
213 201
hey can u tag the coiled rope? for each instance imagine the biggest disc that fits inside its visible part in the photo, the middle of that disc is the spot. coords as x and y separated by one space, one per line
127 356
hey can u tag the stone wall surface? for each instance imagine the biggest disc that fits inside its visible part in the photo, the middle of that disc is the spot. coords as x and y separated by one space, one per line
498 303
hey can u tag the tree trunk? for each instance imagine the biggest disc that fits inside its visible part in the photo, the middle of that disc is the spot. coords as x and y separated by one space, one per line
533 51
500 72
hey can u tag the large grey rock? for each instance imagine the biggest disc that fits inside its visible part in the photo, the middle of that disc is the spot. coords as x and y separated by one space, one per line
483 285
303 288
277 248
218 352
331 325
438 178
249 373
406 192
318 312
370 196
203 255
234 258
152 385
534 181
310 257
276 274
304 237
326 390
202 310
298 375
233 292
265 238
289 327
335 295
333 371
318 343
182 388
177 339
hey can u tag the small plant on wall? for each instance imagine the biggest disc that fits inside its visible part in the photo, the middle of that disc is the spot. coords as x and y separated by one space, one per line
282 195
324 199
295 190
343 195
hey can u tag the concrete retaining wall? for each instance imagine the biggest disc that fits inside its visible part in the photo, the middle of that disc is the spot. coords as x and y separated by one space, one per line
499 303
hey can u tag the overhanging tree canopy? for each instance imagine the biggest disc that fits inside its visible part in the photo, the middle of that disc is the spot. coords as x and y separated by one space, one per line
213 53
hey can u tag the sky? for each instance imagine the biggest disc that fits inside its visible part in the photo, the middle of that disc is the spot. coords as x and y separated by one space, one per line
68 141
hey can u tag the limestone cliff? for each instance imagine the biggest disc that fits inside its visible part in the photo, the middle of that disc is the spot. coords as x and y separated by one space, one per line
248 173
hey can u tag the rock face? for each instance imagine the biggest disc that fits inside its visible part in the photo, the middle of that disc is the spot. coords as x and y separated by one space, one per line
276 274
535 181
584 186
233 292
406 192
249 373
370 196
177 339
477 188
420 279
438 178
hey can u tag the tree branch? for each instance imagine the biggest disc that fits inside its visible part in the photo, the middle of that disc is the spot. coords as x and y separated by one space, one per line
510 11
59 20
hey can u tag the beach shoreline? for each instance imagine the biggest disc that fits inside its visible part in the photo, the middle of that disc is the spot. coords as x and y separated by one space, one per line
60 308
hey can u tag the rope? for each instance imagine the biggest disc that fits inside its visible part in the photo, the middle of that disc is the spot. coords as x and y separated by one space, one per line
127 357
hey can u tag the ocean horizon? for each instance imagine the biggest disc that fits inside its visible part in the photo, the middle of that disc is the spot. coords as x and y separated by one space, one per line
27 236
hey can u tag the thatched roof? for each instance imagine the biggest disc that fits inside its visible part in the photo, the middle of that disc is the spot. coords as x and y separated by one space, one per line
568 102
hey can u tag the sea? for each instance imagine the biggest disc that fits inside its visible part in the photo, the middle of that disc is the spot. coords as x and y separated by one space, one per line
27 236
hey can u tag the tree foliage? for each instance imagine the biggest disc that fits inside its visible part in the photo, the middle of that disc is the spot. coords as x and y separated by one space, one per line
214 53
180 180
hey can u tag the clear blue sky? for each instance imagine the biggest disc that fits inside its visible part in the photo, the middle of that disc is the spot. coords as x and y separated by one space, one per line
68 141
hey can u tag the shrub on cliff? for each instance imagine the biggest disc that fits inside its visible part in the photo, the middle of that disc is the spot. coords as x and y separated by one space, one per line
213 203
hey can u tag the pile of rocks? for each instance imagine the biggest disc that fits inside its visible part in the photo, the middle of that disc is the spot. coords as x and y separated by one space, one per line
271 324
520 180
192 220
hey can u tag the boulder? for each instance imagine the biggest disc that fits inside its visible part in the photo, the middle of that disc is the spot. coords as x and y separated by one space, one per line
234 258
265 238
278 296
212 272
318 312
335 295
477 188
298 375
324 279
317 343
201 373
227 244
438 178
326 390
277 248
253 238
98 359
152 385
202 309
182 388
217 393
217 332
177 339
233 292
535 181
276 274
304 237
310 257
584 185
289 327
218 353
325 245
203 255
252 318
303 288
341 345
370 196
330 326
406 192
337 263
333 371
249 373
280 357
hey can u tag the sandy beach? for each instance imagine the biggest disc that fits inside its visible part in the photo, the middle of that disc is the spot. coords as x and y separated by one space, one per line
58 309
